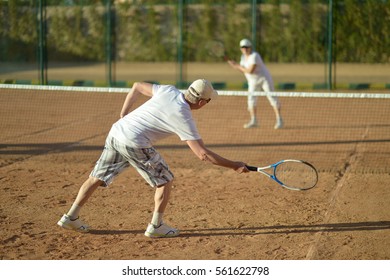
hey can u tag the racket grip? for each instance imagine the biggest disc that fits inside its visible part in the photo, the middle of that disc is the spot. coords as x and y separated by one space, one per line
251 168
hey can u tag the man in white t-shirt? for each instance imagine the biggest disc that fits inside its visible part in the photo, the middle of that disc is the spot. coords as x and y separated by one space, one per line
259 79
130 143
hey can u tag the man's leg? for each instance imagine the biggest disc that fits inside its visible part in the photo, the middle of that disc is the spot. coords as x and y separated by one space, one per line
161 197
71 219
85 192
157 228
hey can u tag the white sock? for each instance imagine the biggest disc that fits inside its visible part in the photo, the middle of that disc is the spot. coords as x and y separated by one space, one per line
74 212
157 219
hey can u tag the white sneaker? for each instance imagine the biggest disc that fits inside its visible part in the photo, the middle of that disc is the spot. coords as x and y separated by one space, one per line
251 124
279 124
76 225
162 231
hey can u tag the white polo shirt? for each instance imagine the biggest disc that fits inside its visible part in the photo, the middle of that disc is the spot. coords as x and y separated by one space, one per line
165 114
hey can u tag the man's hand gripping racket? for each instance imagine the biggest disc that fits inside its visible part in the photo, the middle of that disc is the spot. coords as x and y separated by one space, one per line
291 174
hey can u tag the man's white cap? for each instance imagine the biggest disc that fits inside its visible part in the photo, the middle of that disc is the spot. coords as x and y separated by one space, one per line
202 89
245 43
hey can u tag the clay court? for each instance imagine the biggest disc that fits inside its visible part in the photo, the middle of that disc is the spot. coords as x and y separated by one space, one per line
51 139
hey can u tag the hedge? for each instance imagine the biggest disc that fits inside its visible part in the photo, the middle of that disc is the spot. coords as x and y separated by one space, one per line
286 31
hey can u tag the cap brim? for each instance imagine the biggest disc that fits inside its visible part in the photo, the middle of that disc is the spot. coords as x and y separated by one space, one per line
214 95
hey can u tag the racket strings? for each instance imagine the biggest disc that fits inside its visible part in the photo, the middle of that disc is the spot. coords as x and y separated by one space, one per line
216 48
218 51
297 175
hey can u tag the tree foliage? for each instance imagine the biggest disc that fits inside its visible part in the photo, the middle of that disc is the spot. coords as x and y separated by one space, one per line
286 31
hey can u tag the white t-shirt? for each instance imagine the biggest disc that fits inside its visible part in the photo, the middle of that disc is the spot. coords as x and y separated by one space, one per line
260 70
165 114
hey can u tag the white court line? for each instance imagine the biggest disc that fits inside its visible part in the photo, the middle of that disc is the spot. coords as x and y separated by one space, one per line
313 249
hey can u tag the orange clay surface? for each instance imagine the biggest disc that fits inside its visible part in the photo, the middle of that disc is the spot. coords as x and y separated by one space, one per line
51 140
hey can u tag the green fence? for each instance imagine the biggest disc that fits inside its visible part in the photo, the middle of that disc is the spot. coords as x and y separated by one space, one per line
44 35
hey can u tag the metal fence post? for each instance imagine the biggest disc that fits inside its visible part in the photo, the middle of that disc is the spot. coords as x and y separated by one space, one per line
254 23
109 43
180 43
330 44
42 48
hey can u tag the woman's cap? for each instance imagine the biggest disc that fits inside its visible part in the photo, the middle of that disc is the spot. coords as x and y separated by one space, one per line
245 43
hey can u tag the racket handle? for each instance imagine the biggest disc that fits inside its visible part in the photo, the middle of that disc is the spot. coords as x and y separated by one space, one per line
251 168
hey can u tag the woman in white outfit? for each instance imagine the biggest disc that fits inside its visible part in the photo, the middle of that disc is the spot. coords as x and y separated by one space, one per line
259 79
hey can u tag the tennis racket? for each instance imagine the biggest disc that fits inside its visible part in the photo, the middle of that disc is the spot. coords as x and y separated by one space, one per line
217 49
291 174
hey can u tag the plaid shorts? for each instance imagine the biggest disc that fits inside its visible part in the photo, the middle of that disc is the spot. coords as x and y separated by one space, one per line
117 156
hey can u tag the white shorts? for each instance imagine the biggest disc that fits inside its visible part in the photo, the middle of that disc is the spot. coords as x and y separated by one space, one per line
262 84
117 156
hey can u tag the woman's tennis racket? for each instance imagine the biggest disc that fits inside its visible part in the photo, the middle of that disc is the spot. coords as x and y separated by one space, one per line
217 49
291 174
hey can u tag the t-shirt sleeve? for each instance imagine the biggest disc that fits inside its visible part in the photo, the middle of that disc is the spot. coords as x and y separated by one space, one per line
155 89
242 61
252 59
186 129
161 89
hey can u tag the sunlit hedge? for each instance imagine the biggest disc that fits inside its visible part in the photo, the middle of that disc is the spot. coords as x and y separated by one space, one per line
286 31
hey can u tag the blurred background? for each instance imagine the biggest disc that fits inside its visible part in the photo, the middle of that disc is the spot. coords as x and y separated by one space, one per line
306 44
